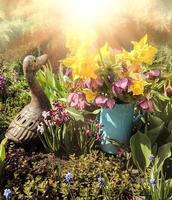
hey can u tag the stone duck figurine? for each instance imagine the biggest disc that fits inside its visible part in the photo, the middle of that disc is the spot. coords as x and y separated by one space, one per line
23 127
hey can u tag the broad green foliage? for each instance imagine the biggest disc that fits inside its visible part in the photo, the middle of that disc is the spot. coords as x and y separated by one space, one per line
164 152
143 146
2 155
141 150
162 187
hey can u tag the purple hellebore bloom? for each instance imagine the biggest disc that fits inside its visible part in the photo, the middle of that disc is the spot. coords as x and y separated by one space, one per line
91 83
146 104
111 103
121 85
153 74
77 100
104 102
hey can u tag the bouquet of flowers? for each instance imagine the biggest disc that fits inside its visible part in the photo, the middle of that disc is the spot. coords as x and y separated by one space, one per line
106 76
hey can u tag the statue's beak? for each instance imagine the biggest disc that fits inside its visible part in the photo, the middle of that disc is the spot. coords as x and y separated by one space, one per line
41 60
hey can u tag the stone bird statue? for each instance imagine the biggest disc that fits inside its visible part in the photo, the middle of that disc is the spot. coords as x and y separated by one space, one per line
23 127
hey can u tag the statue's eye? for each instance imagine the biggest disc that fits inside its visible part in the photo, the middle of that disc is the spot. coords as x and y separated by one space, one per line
34 60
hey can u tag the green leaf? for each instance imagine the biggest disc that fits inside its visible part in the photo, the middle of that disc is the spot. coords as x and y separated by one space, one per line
161 96
95 112
2 149
76 114
154 121
141 150
154 133
164 152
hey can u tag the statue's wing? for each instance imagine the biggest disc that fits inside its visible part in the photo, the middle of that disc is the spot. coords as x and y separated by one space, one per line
23 127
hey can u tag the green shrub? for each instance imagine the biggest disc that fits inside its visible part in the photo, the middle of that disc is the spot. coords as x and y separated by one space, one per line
15 95
42 176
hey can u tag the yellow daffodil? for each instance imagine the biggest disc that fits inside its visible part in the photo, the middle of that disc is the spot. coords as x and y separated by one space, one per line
83 64
83 54
137 87
107 55
138 84
90 95
142 53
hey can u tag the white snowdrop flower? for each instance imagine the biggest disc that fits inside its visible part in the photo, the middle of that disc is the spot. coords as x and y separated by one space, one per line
45 114
40 128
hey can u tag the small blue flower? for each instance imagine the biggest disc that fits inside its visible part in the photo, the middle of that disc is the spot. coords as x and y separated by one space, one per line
101 182
7 194
68 177
152 158
152 181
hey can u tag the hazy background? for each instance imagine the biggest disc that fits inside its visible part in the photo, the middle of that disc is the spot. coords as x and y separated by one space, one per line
40 25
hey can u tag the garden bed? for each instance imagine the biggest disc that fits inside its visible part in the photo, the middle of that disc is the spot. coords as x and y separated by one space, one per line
30 173
102 112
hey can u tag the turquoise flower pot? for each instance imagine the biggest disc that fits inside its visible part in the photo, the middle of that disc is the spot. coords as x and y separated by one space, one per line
117 124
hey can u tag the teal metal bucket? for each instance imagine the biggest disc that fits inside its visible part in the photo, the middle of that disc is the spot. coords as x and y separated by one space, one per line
117 124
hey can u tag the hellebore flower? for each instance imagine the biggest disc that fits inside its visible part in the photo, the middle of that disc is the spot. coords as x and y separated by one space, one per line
110 103
153 74
69 177
2 82
146 104
104 102
121 85
7 194
152 158
91 83
152 181
77 100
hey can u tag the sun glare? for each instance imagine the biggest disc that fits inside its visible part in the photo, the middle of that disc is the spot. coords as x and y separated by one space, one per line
89 12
